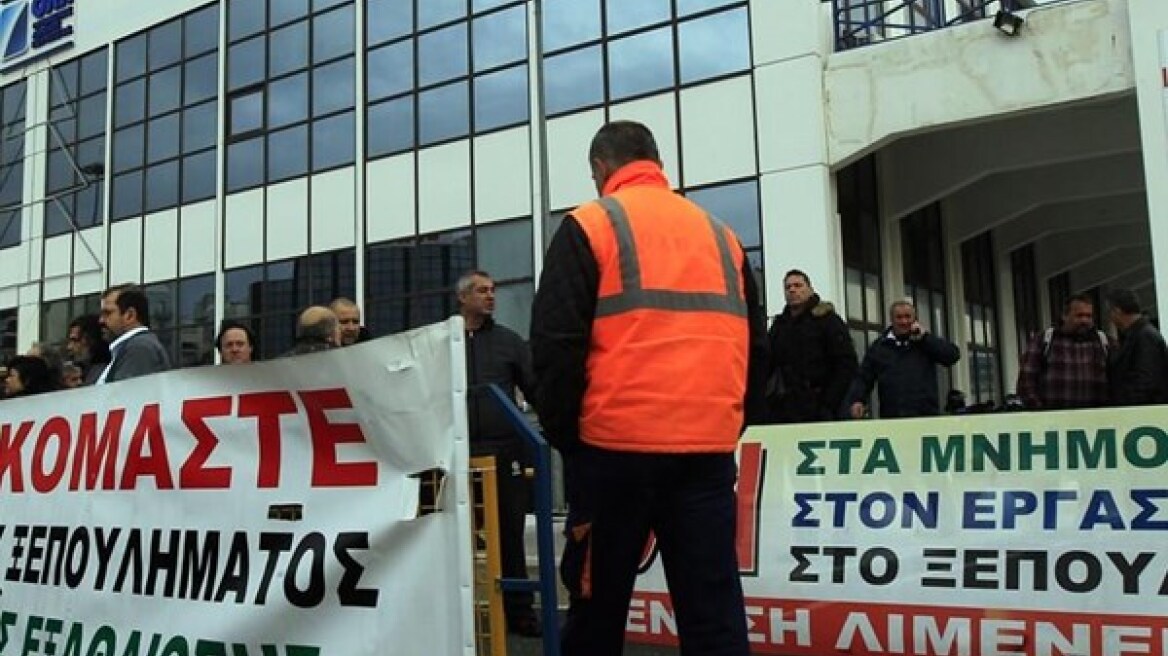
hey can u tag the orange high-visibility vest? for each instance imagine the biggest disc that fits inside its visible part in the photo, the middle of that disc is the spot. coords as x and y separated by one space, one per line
668 357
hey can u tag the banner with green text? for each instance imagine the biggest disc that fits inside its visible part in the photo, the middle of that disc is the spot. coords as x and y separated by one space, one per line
268 509
1020 534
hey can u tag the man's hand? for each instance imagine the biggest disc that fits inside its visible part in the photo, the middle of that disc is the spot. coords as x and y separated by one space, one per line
858 410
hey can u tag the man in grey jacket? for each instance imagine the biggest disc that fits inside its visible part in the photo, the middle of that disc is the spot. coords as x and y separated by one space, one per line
135 351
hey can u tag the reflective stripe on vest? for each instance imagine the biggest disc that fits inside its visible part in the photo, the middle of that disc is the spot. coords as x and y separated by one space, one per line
635 297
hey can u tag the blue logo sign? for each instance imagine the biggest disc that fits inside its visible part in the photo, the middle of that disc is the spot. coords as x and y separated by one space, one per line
31 29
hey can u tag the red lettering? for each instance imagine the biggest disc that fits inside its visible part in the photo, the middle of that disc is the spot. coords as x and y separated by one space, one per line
267 407
44 481
10 448
194 475
139 464
93 456
751 465
326 470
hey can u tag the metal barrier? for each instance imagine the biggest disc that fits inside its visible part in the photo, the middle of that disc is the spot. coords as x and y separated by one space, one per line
490 623
865 22
545 585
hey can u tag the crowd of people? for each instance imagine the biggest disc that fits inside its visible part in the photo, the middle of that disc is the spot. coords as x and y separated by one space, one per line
649 355
117 344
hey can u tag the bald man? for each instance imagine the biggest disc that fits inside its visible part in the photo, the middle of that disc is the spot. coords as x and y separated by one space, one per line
317 329
349 316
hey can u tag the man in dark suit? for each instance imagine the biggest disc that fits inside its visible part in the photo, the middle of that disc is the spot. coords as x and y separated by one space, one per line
125 317
1137 371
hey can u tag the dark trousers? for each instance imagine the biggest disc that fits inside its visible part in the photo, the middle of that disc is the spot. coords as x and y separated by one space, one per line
688 501
514 499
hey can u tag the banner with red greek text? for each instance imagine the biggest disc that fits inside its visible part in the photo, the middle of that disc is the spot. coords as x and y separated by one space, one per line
1020 534
265 509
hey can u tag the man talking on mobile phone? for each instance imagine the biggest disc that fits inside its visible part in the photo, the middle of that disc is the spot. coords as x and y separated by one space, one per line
902 364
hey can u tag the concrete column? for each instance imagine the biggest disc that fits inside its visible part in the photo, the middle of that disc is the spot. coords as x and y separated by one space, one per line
800 224
1149 39
955 292
1008 347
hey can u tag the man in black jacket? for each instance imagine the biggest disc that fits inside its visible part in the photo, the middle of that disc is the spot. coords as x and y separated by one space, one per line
812 358
902 363
496 354
1137 371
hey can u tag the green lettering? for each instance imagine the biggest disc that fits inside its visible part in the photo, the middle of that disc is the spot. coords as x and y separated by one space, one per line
882 456
1047 449
75 641
951 458
1131 447
997 454
104 643
7 621
808 466
176 646
1090 453
31 644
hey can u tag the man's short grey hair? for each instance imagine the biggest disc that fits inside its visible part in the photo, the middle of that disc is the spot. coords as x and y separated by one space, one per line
903 303
466 281
317 324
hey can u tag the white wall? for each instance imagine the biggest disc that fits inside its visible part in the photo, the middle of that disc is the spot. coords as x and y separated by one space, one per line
1149 29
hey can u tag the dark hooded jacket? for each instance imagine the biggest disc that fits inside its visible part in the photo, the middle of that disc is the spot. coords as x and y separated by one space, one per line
904 372
1137 370
813 362
495 354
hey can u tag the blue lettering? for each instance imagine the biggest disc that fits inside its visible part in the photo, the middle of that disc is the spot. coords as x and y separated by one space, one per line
802 518
1015 503
972 507
1145 499
1101 509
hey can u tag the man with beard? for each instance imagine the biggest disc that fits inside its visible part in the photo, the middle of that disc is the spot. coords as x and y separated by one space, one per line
812 358
1065 366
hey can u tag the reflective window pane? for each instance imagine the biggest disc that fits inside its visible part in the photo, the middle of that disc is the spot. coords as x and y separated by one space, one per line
288 153
127 195
513 306
241 291
288 49
504 249
568 22
165 91
245 164
435 12
442 55
443 113
246 17
714 45
333 141
735 204
573 80
283 11
162 185
91 116
390 70
333 87
165 44
60 170
320 5
130 102
130 58
93 72
641 63
500 38
162 138
199 123
333 34
390 127
288 100
129 148
200 79
198 176
9 229
388 19
501 98
246 63
246 113
63 83
202 31
623 15
686 7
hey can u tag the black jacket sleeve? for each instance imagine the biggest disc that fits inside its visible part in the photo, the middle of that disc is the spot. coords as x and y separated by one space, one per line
1141 378
842 354
561 330
940 350
759 363
865 378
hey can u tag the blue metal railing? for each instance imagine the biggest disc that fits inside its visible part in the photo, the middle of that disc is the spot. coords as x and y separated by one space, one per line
545 585
864 22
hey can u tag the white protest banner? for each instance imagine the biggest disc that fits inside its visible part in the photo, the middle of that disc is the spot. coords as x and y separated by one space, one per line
263 509
1020 534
